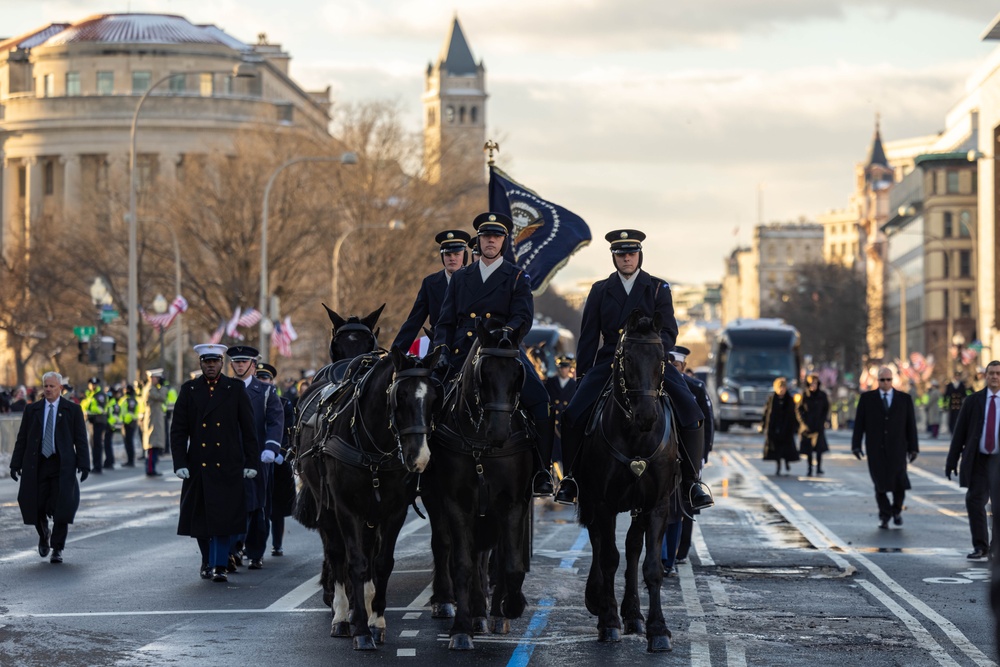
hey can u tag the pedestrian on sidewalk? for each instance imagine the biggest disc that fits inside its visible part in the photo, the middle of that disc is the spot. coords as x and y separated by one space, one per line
973 454
811 413
780 426
886 423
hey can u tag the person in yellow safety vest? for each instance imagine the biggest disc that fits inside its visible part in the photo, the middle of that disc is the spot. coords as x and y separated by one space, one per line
129 406
168 406
113 411
94 403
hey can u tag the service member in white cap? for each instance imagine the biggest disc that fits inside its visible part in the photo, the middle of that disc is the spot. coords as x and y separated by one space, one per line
214 446
269 424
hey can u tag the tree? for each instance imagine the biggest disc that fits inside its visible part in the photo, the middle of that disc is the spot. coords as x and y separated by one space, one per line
827 305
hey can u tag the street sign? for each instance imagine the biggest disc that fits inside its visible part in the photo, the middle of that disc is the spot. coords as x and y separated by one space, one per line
84 332
109 316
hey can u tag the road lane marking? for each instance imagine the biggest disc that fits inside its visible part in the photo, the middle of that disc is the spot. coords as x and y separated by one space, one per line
575 551
296 596
697 629
811 527
700 547
919 632
526 646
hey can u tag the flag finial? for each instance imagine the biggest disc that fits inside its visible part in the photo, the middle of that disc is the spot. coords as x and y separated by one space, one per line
488 148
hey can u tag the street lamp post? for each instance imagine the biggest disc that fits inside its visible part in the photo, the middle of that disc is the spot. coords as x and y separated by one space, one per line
334 287
265 321
239 71
100 297
902 311
179 367
160 307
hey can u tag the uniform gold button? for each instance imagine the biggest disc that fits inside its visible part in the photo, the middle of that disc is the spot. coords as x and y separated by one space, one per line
472 314
218 424
203 444
487 316
204 425
218 465
468 333
218 444
204 465
456 350
620 330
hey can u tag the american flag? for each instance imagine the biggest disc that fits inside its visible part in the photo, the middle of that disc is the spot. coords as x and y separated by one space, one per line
161 322
216 337
231 330
283 336
249 318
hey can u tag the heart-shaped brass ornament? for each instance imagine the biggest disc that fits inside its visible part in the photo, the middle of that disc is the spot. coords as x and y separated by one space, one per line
638 467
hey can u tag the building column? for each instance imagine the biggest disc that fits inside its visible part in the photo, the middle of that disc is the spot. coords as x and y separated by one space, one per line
168 167
8 201
34 195
71 184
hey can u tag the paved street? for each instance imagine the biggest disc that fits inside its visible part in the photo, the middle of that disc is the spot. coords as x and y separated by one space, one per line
787 570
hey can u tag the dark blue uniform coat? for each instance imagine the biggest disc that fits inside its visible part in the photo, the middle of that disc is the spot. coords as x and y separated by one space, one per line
426 307
700 393
269 426
73 450
212 434
604 316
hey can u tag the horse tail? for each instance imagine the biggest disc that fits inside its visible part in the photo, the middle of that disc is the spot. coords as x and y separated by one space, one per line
306 511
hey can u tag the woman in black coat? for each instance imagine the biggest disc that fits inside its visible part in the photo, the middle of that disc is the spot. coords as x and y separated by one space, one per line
780 426
811 413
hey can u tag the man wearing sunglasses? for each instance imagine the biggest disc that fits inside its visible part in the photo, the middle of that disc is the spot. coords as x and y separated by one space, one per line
887 424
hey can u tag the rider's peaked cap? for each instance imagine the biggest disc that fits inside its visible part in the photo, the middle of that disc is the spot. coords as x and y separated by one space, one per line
493 223
680 353
565 360
625 240
210 350
453 240
242 353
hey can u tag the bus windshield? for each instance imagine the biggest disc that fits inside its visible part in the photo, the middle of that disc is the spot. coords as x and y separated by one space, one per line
760 363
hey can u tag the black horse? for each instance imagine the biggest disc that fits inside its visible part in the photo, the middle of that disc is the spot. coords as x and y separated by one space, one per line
477 490
376 436
628 462
349 338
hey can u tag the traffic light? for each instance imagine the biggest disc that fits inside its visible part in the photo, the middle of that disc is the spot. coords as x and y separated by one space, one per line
108 348
83 355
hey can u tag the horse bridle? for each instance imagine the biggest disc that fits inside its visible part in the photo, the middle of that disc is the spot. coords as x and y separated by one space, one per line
397 379
355 326
477 363
625 391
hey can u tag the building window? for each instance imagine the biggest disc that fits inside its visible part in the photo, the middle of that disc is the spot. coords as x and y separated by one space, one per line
948 225
178 83
48 86
964 220
945 264
48 178
105 83
140 82
965 303
965 263
461 115
72 84
207 85
952 187
22 182
285 112
449 114
474 115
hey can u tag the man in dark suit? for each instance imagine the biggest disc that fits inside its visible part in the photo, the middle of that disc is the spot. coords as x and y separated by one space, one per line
214 447
494 287
973 454
269 425
886 423
51 447
608 306
454 250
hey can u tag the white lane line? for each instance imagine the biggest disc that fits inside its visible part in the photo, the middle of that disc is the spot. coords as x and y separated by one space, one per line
296 596
151 518
809 526
700 654
424 599
919 632
700 547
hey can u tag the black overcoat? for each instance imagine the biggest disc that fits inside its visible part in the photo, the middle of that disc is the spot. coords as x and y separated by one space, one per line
780 427
427 307
811 413
965 439
607 309
269 427
283 494
506 295
888 437
74 454
212 434
700 393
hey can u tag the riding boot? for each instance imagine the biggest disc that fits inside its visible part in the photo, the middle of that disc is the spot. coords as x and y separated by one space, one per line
819 463
692 450
541 483
809 472
571 435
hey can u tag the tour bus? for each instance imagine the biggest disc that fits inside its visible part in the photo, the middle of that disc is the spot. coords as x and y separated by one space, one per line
545 342
746 358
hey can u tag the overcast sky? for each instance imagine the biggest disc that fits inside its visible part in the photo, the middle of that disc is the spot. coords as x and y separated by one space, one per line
666 116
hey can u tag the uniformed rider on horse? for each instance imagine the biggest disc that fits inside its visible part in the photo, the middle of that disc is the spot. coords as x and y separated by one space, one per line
494 287
608 306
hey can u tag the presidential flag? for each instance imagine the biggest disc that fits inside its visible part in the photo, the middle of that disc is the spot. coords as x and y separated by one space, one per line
545 234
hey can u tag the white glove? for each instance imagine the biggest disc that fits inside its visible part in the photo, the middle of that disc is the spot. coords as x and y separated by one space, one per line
249 473
279 459
267 456
183 473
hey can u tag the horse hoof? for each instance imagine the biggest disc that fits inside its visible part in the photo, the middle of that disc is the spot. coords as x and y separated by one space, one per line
442 610
364 643
658 644
378 634
609 635
479 626
635 627
462 642
340 629
499 625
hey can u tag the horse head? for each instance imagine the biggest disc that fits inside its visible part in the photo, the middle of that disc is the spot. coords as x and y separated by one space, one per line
495 375
638 370
353 336
414 397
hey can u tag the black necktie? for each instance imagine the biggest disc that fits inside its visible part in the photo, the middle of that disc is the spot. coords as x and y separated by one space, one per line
49 431
885 402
